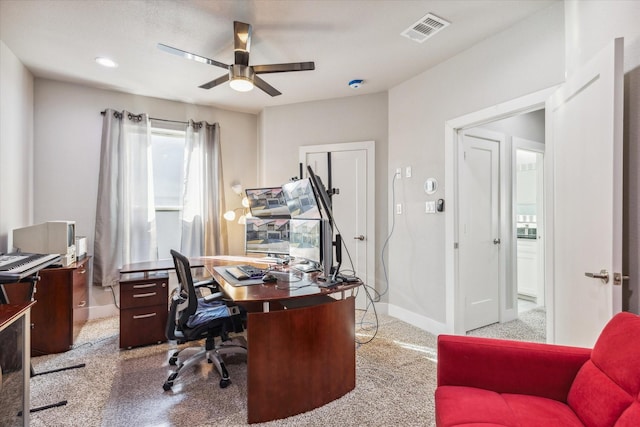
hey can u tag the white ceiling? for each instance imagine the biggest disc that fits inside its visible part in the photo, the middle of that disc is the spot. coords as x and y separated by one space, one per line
356 39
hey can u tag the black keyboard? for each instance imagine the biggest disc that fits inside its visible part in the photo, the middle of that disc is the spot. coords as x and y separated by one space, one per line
244 272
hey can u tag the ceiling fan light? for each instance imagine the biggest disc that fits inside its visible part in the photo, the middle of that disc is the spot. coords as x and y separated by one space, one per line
241 84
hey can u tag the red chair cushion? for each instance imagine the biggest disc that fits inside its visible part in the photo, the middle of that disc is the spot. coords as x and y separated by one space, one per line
459 406
606 388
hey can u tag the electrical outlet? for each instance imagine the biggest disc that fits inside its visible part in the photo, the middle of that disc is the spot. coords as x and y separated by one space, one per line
407 172
399 172
399 209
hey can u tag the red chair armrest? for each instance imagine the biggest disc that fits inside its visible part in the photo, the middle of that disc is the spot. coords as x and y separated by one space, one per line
507 366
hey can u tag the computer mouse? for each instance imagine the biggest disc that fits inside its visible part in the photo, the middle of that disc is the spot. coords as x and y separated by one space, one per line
269 278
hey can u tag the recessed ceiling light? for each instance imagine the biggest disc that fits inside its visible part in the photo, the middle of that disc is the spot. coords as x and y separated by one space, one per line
106 62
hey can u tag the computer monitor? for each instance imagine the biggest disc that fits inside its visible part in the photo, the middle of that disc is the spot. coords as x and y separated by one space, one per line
301 199
311 240
321 192
268 236
267 202
323 196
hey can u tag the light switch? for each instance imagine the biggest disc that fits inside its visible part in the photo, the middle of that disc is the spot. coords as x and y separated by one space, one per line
430 207
399 209
407 172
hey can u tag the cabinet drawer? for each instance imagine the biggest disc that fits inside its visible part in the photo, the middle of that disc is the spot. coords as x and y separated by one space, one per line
142 326
144 294
80 290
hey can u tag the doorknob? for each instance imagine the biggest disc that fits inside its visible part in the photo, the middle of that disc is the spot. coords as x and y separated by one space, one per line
360 237
603 275
496 241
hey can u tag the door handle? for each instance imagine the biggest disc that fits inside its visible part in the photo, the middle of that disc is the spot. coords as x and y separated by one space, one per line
360 237
496 241
603 275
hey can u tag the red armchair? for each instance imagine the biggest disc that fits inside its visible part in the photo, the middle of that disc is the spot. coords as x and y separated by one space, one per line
491 382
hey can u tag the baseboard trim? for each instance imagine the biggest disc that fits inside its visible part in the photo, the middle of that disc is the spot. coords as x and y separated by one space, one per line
102 311
417 320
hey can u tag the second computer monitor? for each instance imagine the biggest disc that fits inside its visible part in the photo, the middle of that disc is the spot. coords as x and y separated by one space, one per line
311 240
301 199
267 202
269 236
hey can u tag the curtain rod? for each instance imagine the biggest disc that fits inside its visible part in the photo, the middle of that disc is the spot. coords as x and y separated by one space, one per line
153 118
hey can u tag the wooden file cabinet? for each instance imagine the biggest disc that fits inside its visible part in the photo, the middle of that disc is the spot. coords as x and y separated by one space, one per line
61 310
61 296
143 308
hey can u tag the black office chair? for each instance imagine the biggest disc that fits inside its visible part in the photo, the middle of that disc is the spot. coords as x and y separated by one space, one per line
195 317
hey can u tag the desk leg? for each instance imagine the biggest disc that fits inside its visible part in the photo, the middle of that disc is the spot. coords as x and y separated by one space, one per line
26 361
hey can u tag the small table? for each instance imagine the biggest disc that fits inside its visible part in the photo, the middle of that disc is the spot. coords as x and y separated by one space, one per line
18 314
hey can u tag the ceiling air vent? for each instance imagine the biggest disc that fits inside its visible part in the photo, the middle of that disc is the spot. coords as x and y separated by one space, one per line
426 27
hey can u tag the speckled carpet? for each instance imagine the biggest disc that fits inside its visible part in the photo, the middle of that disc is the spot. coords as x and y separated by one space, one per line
395 382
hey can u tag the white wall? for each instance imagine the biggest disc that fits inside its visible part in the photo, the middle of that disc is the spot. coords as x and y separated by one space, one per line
16 146
528 126
67 134
358 118
524 59
616 18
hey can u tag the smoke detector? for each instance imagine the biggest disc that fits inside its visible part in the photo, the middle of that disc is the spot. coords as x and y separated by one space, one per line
355 84
424 28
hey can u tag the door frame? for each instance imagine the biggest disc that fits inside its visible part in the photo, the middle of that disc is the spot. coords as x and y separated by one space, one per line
525 104
370 148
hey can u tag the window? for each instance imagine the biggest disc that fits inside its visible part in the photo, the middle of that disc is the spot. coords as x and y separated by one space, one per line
167 150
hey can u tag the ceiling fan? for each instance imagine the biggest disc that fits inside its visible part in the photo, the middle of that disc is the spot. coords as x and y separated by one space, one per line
242 76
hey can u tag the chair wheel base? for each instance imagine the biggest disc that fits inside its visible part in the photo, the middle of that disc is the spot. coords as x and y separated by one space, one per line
167 385
224 383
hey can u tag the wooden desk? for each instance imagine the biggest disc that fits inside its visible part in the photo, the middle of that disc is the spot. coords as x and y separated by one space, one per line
62 294
18 314
298 359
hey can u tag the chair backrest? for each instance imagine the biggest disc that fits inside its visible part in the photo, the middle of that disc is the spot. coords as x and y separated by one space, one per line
186 289
606 390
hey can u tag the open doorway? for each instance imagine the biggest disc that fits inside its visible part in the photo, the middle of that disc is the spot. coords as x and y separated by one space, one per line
519 123
519 279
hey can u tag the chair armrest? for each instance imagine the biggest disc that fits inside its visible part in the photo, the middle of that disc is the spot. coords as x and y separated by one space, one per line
207 283
214 296
507 366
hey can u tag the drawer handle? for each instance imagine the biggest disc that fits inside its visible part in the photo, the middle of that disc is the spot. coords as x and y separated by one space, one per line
148 285
144 316
150 294
84 270
82 304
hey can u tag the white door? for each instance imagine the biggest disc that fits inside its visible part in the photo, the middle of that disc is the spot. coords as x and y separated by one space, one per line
479 228
584 125
352 176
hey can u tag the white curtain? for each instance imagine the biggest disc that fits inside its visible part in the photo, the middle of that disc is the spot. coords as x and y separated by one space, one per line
203 230
125 214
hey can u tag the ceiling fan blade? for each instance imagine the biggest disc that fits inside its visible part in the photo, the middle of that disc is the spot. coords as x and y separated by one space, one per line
266 86
215 82
241 42
283 68
193 56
